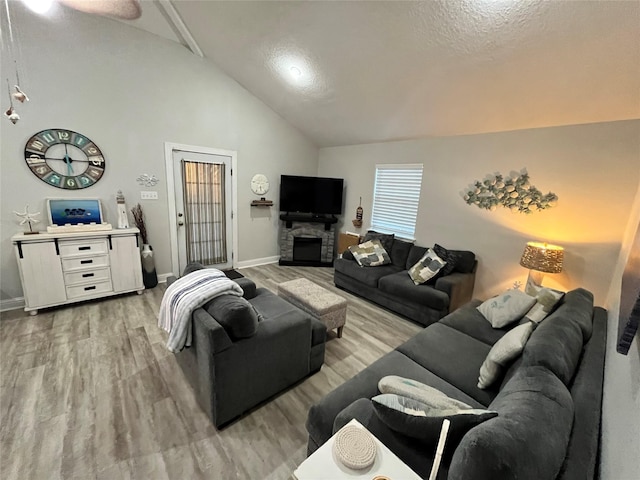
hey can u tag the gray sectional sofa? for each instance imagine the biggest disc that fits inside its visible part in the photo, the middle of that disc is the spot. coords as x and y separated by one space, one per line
241 356
391 287
548 402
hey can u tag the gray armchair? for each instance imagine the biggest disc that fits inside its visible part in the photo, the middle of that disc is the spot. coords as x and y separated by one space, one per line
232 374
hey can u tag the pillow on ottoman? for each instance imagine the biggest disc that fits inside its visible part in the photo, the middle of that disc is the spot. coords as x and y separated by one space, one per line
236 315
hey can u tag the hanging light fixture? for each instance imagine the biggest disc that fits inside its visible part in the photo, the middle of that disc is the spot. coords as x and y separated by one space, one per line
19 94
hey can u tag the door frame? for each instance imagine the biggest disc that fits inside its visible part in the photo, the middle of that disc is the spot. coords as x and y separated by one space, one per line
169 148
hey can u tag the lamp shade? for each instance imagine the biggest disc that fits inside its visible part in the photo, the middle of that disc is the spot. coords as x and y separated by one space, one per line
542 257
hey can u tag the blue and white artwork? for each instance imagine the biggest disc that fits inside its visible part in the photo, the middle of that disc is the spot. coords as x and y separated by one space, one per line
75 211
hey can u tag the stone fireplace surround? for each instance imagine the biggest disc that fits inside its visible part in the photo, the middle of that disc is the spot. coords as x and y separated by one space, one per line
301 226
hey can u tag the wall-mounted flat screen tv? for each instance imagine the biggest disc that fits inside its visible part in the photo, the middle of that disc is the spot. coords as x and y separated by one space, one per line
317 195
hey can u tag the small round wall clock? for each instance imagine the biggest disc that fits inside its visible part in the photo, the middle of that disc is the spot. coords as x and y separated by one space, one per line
259 184
64 159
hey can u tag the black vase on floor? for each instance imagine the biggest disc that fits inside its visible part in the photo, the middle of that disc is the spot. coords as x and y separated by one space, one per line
149 276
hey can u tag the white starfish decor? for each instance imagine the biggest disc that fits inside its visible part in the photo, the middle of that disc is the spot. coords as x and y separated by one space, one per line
27 217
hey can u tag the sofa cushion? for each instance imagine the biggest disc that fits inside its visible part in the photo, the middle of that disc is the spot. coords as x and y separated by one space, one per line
556 344
453 356
510 346
370 254
400 252
467 319
386 239
401 285
415 254
466 261
578 306
506 308
449 256
430 396
236 315
418 420
527 440
367 275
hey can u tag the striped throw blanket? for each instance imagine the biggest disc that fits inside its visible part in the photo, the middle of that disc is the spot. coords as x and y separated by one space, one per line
185 295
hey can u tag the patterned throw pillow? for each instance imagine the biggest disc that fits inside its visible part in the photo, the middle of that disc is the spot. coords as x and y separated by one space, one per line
370 254
448 256
428 266
510 346
417 420
386 239
506 308
546 300
420 392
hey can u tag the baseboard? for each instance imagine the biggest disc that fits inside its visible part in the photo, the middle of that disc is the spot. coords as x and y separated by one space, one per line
257 261
11 304
162 277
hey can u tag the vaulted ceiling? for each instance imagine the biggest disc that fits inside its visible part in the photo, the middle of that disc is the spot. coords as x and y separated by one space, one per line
358 72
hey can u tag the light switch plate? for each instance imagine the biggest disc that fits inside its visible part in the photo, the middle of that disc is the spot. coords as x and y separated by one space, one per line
149 195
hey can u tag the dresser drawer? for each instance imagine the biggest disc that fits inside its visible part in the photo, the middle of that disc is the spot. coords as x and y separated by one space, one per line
87 276
83 247
84 263
89 290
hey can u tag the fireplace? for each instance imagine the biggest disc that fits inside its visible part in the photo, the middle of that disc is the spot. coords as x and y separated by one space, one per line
307 241
307 249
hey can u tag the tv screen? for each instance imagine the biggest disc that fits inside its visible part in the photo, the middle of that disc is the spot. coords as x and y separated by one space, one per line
317 195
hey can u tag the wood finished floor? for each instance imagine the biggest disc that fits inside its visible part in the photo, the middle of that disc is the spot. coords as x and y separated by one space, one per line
90 391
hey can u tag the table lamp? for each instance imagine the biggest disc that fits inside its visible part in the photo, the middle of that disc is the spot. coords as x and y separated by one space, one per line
540 258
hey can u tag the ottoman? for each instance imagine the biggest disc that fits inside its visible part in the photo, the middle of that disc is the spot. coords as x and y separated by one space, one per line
319 302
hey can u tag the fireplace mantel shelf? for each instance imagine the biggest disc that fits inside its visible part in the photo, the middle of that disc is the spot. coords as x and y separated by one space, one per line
298 217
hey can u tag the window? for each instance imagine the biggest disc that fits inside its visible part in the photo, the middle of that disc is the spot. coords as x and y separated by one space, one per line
395 199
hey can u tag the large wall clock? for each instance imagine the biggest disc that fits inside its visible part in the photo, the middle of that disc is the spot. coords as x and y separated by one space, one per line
64 159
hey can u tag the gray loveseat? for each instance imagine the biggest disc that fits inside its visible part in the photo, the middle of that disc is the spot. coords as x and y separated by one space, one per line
236 362
390 285
548 402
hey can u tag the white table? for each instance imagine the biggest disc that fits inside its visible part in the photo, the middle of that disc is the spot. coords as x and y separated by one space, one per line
323 465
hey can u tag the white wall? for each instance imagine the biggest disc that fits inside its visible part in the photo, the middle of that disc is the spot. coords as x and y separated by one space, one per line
621 402
131 91
594 169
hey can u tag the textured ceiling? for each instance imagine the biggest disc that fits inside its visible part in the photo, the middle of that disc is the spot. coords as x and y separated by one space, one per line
378 71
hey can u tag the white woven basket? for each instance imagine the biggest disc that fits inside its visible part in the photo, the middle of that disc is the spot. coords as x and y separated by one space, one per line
354 447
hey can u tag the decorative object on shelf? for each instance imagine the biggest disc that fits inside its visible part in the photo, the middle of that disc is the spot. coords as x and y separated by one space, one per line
259 184
355 447
358 221
64 159
149 275
540 258
514 193
123 220
28 217
147 180
262 203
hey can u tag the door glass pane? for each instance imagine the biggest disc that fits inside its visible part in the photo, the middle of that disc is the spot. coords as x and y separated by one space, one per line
204 210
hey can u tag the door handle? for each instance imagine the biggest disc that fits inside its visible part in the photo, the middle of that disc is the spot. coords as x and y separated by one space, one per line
180 223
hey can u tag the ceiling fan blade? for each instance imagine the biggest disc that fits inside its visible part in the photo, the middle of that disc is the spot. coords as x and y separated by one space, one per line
123 9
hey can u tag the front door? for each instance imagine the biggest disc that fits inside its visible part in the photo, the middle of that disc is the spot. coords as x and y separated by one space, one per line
203 208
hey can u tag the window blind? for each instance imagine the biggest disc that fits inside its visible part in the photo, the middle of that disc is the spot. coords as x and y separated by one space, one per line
395 199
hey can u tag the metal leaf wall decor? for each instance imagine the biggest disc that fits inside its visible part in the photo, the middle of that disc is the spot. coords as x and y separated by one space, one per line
512 192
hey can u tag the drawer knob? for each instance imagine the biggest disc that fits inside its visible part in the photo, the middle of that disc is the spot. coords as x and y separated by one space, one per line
84 248
83 262
92 287
85 275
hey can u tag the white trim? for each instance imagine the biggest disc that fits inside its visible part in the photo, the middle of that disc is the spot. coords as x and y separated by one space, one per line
169 147
11 304
175 20
257 262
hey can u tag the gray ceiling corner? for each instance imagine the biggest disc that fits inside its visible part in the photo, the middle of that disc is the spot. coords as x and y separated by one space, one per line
360 72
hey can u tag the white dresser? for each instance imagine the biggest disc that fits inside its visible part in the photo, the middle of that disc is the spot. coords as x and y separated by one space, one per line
61 268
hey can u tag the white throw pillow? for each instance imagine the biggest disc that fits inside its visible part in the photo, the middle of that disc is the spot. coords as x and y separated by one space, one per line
546 300
506 308
420 392
503 351
427 267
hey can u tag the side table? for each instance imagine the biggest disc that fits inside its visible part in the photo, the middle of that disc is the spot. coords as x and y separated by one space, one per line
323 465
